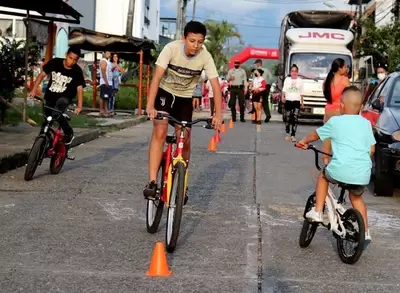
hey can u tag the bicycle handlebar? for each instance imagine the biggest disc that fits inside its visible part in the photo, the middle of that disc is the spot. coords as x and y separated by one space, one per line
50 108
316 152
161 116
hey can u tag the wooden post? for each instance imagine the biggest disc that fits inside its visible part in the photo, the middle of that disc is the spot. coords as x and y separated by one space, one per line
148 80
140 82
94 83
50 42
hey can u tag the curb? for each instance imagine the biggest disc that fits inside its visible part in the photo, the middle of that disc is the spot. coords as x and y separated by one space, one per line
19 159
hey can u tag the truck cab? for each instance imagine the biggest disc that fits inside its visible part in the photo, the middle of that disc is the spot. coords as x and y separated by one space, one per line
312 39
313 51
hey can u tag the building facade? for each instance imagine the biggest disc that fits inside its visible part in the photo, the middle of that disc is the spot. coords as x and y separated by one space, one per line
382 12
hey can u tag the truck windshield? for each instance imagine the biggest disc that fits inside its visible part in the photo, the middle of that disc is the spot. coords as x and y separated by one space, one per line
317 65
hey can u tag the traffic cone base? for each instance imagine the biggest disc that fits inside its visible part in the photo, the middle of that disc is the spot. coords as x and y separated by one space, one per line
158 264
217 137
212 146
223 128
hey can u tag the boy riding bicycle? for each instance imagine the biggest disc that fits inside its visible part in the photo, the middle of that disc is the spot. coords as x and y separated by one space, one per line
66 81
178 70
353 144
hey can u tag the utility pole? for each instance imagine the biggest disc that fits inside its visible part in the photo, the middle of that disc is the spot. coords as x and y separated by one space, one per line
178 19
130 18
360 9
194 9
184 12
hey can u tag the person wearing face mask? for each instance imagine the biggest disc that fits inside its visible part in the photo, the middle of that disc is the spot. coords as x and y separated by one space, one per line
267 77
382 72
293 100
259 87
238 78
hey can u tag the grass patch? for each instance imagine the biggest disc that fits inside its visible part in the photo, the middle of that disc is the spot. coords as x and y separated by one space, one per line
35 113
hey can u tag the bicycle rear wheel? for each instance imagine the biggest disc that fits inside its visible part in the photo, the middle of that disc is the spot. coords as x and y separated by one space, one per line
58 159
175 207
308 230
35 155
155 207
349 218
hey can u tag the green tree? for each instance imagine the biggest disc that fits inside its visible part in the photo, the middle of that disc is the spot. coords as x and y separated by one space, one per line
12 67
380 42
218 34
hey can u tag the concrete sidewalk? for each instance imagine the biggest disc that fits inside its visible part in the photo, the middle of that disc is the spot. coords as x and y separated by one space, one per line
16 141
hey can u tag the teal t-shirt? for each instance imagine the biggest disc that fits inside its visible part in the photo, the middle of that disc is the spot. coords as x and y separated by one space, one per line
352 138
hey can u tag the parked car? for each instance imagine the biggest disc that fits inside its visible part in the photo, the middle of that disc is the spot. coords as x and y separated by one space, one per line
382 109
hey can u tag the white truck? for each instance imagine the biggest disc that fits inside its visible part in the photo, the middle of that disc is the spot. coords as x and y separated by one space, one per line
312 40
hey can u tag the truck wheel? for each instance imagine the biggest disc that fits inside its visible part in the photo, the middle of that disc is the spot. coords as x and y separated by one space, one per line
384 181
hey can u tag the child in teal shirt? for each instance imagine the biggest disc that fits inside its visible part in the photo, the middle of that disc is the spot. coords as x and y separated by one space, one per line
353 144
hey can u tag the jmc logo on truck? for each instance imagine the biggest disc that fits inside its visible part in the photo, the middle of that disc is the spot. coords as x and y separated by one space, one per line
317 35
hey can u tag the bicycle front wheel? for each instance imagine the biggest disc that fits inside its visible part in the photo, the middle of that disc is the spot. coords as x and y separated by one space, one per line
34 158
58 159
175 207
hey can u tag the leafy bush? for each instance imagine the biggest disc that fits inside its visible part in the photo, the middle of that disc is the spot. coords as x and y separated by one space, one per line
12 67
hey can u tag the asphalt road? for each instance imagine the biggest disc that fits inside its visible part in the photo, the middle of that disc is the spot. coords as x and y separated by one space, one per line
84 229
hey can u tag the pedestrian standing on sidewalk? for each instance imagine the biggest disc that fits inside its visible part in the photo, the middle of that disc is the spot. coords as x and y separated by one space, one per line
198 93
267 77
238 78
293 100
333 86
117 70
258 90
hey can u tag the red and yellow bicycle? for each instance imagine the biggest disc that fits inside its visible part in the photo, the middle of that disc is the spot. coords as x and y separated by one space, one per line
171 184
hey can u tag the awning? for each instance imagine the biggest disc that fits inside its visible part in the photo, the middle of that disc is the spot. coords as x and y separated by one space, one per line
126 47
48 10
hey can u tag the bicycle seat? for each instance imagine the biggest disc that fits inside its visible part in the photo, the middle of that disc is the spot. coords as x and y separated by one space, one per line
347 186
171 138
66 117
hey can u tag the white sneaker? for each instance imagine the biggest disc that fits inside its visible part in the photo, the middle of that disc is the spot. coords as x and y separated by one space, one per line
367 240
314 216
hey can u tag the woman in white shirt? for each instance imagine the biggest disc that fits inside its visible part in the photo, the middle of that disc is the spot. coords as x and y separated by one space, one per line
293 100
211 94
259 86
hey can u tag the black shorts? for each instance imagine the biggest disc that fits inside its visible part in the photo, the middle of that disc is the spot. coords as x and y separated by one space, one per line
105 92
353 188
256 97
178 107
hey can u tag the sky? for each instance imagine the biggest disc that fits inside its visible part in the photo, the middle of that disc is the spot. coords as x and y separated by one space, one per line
258 21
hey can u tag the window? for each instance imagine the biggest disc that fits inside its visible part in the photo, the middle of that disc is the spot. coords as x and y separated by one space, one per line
317 65
395 98
381 90
147 12
6 27
20 29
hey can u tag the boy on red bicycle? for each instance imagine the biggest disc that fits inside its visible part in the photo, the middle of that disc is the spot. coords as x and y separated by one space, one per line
353 144
178 70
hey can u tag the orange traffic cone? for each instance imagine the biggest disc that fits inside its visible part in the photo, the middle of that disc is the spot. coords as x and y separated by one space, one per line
223 128
217 137
159 265
231 124
211 146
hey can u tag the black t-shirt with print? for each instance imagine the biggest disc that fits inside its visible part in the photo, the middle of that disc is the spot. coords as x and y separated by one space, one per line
63 82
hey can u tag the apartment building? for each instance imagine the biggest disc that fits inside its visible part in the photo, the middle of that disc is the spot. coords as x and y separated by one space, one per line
382 12
109 16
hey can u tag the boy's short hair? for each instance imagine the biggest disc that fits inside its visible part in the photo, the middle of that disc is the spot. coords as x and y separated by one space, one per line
74 49
195 27
351 88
